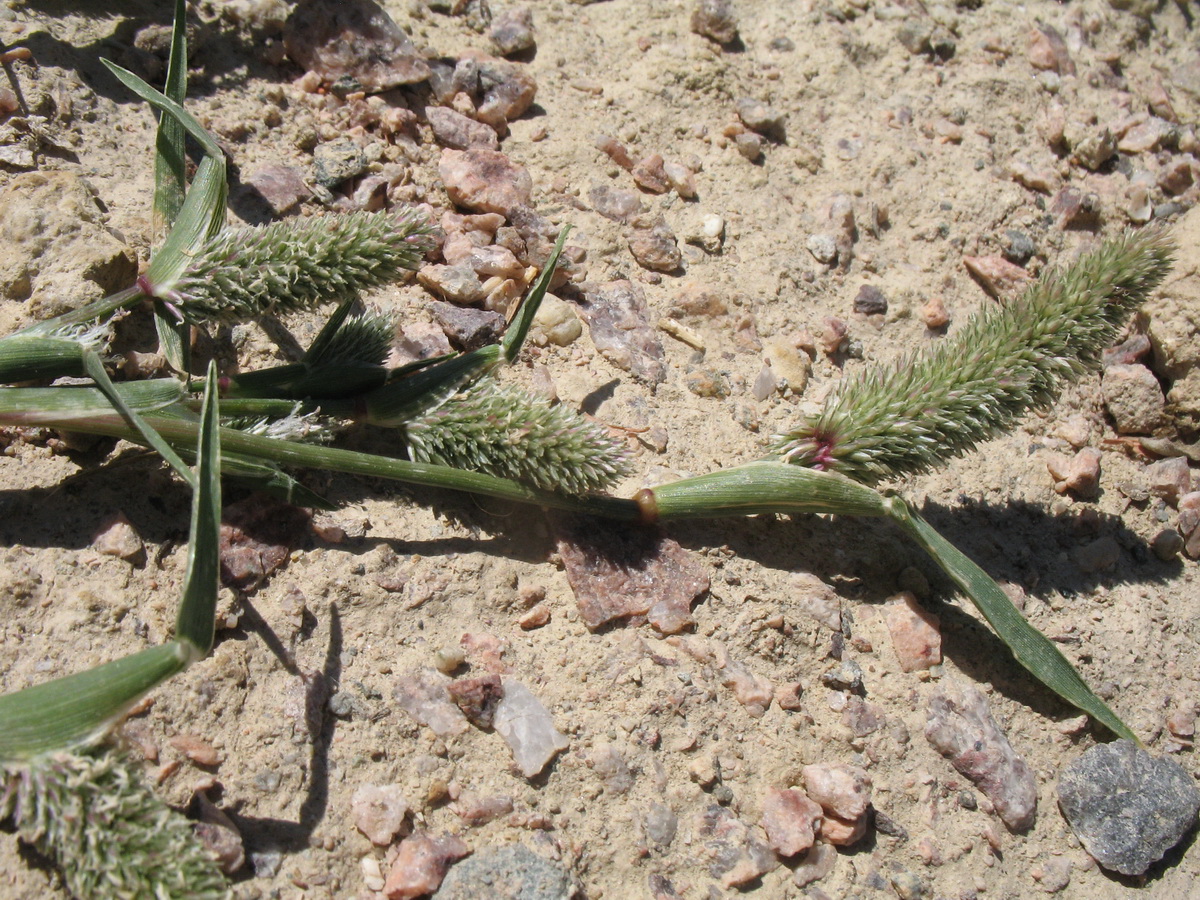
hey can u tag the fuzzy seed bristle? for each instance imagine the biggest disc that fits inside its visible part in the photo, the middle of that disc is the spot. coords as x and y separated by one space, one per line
295 264
110 836
501 431
1006 361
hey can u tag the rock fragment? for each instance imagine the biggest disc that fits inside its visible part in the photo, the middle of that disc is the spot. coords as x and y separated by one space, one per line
117 537
421 864
996 275
715 19
870 301
528 729
458 284
484 180
916 632
1126 807
458 132
817 600
478 698
257 538
1048 51
354 43
512 31
1133 398
281 187
616 315
814 865
511 870
1079 474
424 694
619 573
651 175
660 824
468 329
506 90
379 812
758 116
791 820
615 203
1169 479
655 247
737 853
961 728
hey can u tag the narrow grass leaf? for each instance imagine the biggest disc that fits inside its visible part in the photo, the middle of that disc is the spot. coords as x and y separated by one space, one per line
1030 647
79 709
197 610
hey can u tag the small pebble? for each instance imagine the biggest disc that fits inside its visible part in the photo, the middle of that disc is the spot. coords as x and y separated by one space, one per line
814 865
1019 247
1169 478
478 698
933 313
281 187
453 129
845 676
650 174
458 284
1134 398
1079 474
379 812
421 864
484 180
715 19
512 31
337 161
870 301
615 203
655 248
528 729
749 145
790 819
823 247
1167 544
117 537
916 633
996 275
195 748
468 329
536 617
756 115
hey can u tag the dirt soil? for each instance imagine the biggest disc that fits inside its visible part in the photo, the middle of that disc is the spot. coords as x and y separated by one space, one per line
946 131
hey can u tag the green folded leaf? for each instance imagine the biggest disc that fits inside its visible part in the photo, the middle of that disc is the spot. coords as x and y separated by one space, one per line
78 710
1030 647
197 610
170 158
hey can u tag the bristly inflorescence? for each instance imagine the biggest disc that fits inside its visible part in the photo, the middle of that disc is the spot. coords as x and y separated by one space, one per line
295 264
107 831
362 340
976 384
500 431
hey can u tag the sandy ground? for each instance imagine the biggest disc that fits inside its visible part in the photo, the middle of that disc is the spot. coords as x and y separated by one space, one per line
923 149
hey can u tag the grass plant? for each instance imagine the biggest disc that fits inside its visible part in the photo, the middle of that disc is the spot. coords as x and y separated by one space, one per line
464 431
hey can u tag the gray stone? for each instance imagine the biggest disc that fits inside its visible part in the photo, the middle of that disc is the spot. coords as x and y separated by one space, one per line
458 132
337 161
467 328
1125 806
512 31
715 19
511 872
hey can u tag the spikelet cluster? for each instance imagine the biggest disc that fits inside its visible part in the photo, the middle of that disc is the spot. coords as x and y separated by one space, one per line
108 833
362 340
295 264
976 384
501 431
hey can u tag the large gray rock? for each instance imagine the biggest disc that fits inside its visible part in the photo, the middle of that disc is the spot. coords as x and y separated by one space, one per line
513 872
1125 806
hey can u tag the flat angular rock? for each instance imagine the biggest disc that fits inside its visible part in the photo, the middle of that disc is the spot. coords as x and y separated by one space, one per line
615 203
454 130
281 187
512 31
352 41
484 180
421 864
737 853
655 248
790 819
617 318
424 694
1125 806
622 572
961 728
379 812
528 729
467 329
505 89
